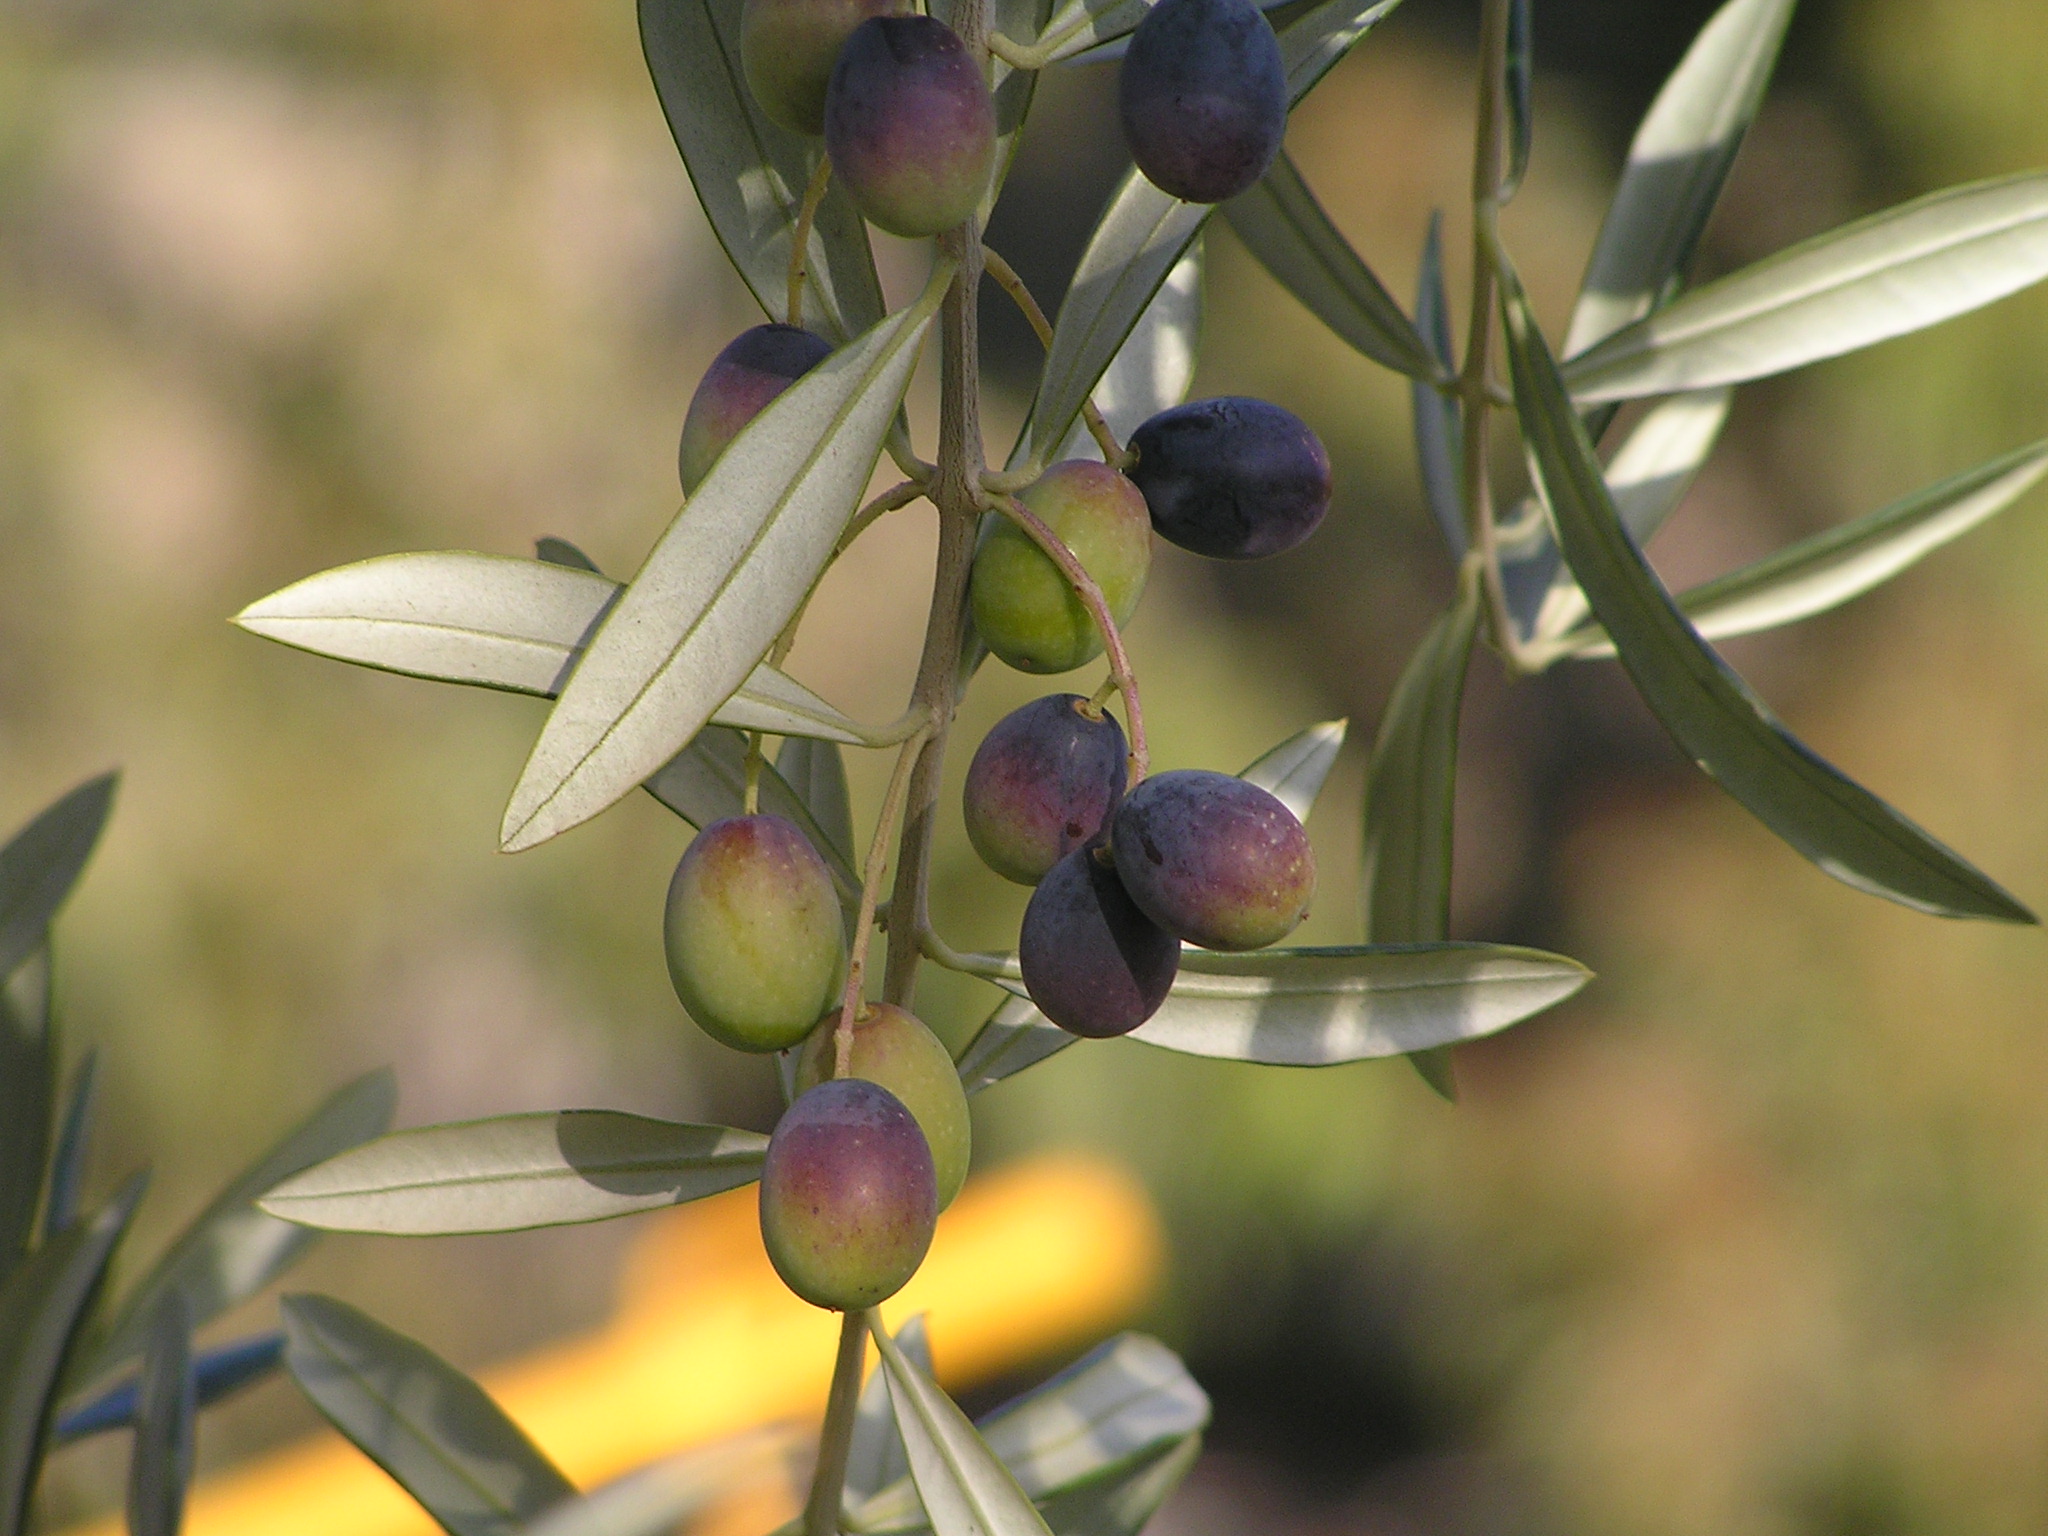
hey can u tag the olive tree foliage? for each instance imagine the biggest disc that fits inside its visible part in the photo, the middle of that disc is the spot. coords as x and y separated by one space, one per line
672 680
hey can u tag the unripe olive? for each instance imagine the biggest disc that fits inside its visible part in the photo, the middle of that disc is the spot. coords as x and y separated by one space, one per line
788 48
894 1049
1213 859
848 1195
755 367
756 947
910 125
1026 610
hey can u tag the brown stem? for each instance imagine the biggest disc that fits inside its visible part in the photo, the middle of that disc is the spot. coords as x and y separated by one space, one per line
800 237
835 1440
1007 279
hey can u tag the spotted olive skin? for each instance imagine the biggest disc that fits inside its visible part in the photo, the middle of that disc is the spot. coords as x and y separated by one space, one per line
788 48
892 1048
1043 781
756 946
848 1195
1231 478
910 125
1026 611
1203 97
1093 963
755 367
1213 860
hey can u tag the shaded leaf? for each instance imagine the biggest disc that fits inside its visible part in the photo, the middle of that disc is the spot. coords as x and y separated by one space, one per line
1439 431
1293 772
434 1430
1521 93
493 621
550 1168
41 1306
561 552
1153 369
661 1497
232 1249
43 861
1120 1500
160 1465
1898 271
217 1373
816 772
28 1086
1830 568
1281 223
751 175
706 781
722 582
1015 1037
1709 711
1676 167
67 1160
876 1457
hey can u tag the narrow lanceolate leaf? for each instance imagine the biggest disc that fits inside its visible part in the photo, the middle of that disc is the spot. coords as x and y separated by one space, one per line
1293 772
1830 568
965 1490
67 1158
232 1249
1015 1038
1143 232
41 1306
494 621
546 1169
816 771
1648 477
751 175
1439 431
216 1373
1895 272
1153 369
42 862
28 1087
722 582
1676 167
1121 1500
561 552
1521 93
664 1496
1709 711
434 1430
875 1457
1281 223
160 1464
707 780
1410 789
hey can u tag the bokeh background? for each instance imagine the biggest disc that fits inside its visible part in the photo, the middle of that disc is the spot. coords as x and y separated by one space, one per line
1751 1238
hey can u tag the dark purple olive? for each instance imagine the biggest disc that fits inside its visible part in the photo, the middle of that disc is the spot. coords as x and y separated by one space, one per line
1093 963
1043 782
755 367
910 125
848 1196
1231 478
1203 97
1213 860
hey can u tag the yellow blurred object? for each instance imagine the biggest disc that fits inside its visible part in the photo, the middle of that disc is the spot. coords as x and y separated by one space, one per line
707 1342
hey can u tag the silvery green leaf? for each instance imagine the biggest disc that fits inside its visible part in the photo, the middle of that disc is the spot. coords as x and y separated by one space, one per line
1439 430
1121 1500
1676 167
965 1490
67 1158
1830 568
216 1373
663 1496
42 1303
816 771
1410 789
42 862
561 552
160 1465
751 175
1648 477
28 1087
232 1249
876 1457
1709 711
1293 772
1143 232
1015 1037
1281 223
1521 94
434 1430
1896 272
551 1168
706 782
722 582
494 621
1152 370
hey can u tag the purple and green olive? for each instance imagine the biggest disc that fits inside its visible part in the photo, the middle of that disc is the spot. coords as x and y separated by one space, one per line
1203 97
1213 859
848 1195
1043 782
788 48
892 1048
1027 612
756 945
1093 963
755 367
1231 478
910 125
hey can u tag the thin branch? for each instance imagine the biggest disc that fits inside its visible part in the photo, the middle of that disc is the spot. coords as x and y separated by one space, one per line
835 1440
897 496
870 891
800 237
1007 279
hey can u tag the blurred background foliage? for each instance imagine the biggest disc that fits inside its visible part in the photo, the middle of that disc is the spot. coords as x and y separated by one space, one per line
1752 1238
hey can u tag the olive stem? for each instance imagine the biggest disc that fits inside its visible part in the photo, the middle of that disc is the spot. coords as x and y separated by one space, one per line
988 967
800 237
1007 279
905 456
750 798
1090 593
870 892
835 1439
897 496
1024 56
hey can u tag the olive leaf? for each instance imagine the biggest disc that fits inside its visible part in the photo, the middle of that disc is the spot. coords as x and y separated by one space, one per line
216 1373
552 1168
1709 711
160 1465
1521 94
1293 772
1153 369
67 1157
875 1457
28 1086
1439 430
1012 1039
816 771
707 781
40 864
